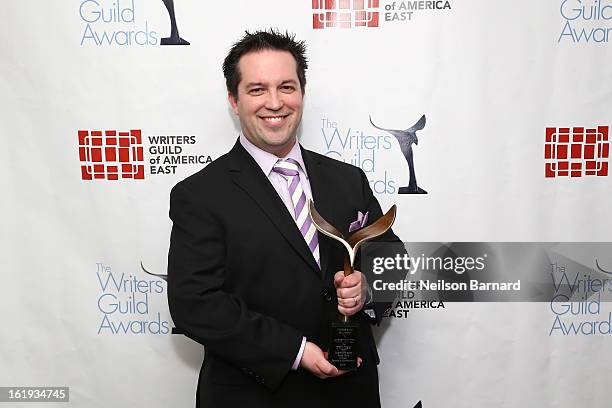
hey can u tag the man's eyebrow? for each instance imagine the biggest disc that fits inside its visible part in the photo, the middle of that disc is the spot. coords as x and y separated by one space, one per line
252 84
261 84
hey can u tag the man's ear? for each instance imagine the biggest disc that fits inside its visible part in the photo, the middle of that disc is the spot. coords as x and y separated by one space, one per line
233 102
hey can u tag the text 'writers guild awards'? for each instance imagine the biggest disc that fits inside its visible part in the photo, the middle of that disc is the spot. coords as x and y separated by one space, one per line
345 332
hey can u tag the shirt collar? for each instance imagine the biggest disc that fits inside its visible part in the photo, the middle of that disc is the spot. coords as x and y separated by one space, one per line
267 160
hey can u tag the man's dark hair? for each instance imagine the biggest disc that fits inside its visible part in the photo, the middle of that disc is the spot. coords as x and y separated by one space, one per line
263 40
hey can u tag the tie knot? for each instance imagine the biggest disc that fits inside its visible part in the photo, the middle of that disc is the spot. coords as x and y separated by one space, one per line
286 167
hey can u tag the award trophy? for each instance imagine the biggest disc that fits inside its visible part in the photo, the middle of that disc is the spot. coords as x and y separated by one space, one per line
345 332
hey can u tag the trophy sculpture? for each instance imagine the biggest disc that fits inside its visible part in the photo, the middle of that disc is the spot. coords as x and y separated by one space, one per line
406 139
175 38
344 332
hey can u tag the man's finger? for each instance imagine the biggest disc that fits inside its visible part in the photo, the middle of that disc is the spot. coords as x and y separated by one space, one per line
341 372
359 361
349 302
344 302
326 368
350 281
349 311
342 293
348 293
345 311
338 278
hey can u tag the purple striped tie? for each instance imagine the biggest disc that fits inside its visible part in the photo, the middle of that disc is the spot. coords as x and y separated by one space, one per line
288 168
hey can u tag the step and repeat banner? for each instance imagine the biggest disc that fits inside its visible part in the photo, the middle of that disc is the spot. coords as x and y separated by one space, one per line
486 122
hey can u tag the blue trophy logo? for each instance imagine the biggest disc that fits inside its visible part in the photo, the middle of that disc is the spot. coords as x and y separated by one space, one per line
158 275
406 139
175 38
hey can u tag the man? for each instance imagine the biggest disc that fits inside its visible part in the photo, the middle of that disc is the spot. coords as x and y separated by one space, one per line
248 275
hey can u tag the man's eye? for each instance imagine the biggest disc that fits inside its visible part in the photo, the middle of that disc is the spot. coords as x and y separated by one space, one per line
287 88
256 91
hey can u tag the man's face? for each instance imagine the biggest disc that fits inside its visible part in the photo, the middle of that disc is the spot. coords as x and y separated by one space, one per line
269 101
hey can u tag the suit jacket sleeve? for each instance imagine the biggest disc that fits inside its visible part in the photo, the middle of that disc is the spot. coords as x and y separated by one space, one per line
261 346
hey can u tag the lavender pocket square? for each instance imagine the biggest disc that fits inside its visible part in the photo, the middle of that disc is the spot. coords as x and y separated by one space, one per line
362 219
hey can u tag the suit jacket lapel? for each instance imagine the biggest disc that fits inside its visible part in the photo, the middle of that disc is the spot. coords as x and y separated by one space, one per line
248 175
323 200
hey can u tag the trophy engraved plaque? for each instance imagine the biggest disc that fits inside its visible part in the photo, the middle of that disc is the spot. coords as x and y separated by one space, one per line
344 331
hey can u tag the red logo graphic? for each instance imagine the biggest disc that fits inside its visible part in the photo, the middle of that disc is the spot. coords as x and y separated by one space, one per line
344 13
111 154
576 152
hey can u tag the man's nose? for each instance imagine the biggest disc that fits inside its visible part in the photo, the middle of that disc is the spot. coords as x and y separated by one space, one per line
274 100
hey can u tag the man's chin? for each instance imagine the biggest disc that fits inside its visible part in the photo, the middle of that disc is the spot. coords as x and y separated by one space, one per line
280 142
284 145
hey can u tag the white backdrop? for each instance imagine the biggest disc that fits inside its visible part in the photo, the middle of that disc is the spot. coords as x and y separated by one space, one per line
490 76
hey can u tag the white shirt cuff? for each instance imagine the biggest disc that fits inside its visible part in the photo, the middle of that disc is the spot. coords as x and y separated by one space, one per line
296 363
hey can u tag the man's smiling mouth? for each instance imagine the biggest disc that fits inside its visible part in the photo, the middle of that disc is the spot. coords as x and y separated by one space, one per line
273 119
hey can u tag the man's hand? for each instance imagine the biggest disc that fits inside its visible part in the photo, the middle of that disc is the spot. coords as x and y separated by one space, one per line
315 361
352 292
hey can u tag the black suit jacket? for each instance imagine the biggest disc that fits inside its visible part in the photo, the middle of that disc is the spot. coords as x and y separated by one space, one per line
242 282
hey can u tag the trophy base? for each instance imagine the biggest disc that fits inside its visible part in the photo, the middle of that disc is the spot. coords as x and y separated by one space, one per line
408 190
344 345
174 41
